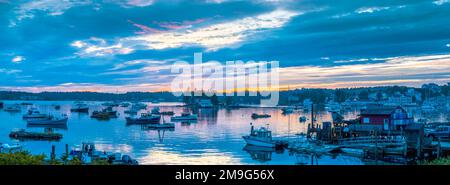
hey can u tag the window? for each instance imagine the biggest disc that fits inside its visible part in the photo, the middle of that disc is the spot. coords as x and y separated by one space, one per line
366 120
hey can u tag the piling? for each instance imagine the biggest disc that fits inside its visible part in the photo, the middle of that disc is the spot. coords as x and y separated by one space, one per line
67 150
53 155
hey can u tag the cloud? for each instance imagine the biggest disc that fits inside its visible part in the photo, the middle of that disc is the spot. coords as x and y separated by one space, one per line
99 47
212 37
51 7
59 7
370 9
441 2
140 3
9 71
18 59
408 70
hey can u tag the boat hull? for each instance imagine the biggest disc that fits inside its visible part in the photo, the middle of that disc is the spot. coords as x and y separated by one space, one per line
260 143
47 122
152 120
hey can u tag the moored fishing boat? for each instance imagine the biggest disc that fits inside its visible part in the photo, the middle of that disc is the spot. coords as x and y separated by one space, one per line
13 108
33 113
124 104
302 119
80 107
145 118
256 116
23 135
185 116
287 110
49 120
261 137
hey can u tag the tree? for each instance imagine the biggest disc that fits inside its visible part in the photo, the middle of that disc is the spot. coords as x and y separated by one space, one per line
363 95
340 95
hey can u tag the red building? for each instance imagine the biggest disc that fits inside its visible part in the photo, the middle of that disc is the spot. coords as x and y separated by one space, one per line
390 118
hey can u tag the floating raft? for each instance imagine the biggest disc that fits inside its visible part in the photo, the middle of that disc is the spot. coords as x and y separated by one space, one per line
35 135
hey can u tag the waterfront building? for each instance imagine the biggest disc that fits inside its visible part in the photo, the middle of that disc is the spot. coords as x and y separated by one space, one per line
388 117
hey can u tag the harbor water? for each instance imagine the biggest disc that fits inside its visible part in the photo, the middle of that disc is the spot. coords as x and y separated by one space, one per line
216 138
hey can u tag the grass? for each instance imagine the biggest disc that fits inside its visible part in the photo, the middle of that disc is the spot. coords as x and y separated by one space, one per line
439 161
25 158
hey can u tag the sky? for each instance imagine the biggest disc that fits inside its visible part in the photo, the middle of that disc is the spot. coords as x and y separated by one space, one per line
130 45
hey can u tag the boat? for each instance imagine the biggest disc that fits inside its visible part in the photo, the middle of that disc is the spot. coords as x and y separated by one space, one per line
88 153
80 107
26 103
22 135
168 113
104 114
131 111
57 107
155 110
261 137
287 110
33 113
185 116
302 119
256 116
13 108
49 120
110 104
124 104
7 148
139 106
145 118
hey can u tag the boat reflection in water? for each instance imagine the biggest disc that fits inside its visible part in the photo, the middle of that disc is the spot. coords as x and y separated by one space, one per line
161 130
260 154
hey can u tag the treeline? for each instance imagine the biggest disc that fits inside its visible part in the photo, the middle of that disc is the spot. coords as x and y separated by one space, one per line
89 96
317 96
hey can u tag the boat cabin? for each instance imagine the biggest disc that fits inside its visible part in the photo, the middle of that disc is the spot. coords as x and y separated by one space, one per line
262 132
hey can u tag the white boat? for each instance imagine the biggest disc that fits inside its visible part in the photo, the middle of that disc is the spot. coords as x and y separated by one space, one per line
260 137
49 120
33 113
6 148
185 116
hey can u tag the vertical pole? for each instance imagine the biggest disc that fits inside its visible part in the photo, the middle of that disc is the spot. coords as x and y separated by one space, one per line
376 147
67 150
53 155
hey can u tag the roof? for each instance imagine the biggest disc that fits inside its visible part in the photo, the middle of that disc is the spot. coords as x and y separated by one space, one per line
379 110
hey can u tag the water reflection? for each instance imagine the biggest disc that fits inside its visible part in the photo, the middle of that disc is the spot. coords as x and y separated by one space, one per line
216 138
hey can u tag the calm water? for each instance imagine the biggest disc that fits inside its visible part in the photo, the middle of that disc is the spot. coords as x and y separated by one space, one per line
215 139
